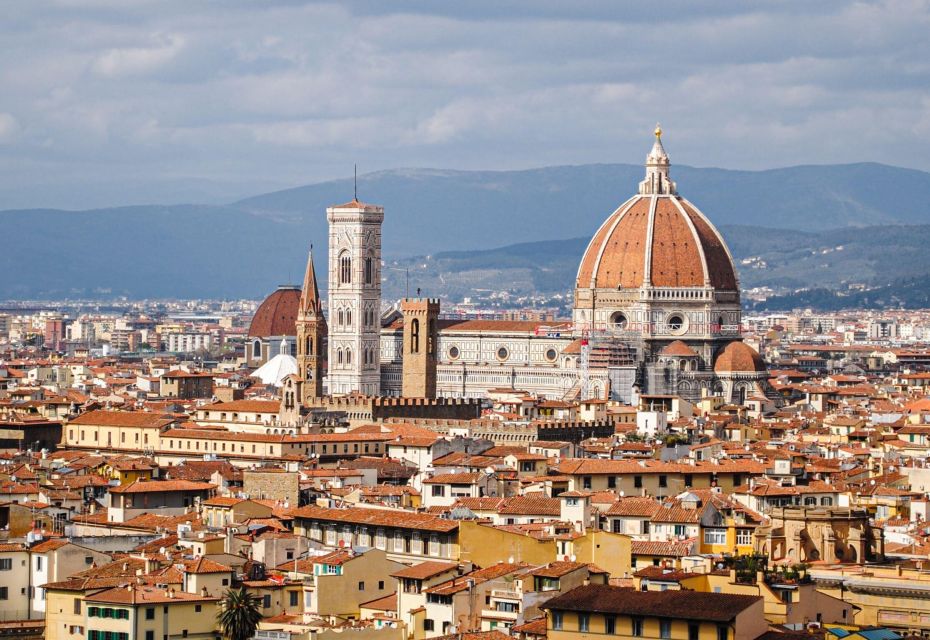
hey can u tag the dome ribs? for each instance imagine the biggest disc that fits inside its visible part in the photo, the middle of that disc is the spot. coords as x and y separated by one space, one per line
676 261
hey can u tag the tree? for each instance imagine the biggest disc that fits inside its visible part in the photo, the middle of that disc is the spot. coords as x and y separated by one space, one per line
239 614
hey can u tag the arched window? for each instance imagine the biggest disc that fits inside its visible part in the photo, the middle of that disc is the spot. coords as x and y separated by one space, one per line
257 349
348 316
340 318
348 356
345 268
339 356
309 350
369 270
415 336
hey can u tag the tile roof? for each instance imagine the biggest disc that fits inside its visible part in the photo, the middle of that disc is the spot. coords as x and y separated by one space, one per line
385 603
532 505
145 594
634 506
672 549
591 466
557 569
204 565
377 517
424 570
124 419
453 478
247 406
463 582
694 605
160 486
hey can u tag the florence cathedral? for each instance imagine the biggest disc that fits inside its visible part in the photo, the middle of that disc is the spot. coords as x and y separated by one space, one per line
656 311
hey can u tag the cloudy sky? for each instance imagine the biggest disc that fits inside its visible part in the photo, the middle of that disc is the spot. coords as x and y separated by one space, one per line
106 102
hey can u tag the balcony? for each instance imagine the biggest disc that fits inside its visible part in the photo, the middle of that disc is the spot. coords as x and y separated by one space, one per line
494 614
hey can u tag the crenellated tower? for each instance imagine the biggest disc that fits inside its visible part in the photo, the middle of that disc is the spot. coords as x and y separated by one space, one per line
421 337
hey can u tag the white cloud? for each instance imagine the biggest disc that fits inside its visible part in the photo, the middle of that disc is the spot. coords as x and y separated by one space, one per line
289 91
8 127
128 61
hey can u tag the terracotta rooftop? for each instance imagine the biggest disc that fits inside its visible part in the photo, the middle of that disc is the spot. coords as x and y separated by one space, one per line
124 419
694 605
160 486
378 517
425 570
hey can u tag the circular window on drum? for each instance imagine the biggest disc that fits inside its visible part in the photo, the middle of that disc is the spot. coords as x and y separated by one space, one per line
676 323
454 353
503 353
551 354
618 320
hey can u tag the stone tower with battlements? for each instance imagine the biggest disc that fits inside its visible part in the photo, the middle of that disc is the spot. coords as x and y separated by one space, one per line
421 335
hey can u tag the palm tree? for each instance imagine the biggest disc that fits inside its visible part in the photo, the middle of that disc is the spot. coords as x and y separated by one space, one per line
239 614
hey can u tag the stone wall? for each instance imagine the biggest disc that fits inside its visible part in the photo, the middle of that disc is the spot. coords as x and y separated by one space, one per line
271 485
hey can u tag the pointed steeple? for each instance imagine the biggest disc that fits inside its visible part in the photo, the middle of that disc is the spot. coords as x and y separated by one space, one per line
310 303
311 338
657 181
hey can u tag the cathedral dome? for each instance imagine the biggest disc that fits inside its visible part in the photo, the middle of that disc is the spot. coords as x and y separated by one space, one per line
277 315
658 239
739 357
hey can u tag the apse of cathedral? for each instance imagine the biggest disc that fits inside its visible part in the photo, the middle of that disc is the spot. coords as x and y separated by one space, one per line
656 311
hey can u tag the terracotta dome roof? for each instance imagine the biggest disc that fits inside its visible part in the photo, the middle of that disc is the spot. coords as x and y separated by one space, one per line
739 357
277 315
686 250
678 348
657 238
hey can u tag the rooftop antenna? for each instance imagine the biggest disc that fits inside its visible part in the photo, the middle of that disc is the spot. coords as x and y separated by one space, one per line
355 183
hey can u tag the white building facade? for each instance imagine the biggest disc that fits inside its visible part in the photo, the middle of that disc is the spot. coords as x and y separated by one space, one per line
354 298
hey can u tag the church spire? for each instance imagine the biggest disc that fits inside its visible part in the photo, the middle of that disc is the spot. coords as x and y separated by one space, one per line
657 181
311 338
310 303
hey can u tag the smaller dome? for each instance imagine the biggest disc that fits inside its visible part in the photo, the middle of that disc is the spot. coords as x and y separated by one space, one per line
276 370
678 349
739 357
277 315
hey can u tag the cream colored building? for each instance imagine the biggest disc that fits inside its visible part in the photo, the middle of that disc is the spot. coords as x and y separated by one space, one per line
14 580
145 612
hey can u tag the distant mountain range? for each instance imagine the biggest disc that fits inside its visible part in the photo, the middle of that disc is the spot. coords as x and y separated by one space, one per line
890 256
462 219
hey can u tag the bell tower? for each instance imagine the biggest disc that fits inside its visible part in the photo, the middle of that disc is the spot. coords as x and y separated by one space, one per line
311 334
420 337
355 298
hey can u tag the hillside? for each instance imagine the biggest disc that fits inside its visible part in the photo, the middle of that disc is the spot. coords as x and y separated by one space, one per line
780 259
246 248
